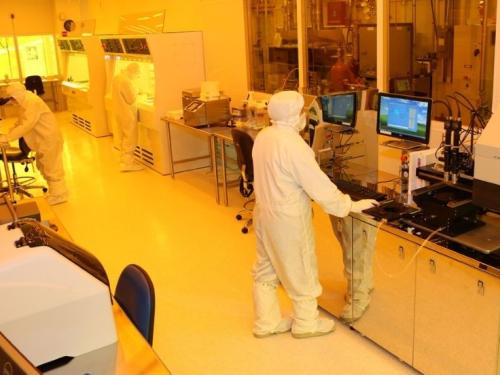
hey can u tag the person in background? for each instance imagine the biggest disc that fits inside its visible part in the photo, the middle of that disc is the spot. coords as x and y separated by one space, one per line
286 178
37 125
342 74
124 95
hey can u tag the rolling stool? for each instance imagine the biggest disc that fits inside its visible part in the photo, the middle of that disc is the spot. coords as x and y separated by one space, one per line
20 185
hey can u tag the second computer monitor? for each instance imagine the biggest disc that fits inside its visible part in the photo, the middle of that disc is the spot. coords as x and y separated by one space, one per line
340 109
404 117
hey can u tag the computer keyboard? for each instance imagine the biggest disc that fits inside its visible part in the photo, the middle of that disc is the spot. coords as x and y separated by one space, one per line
358 192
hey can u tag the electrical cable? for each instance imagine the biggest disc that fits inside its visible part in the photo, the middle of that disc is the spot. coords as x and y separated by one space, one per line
386 181
459 112
450 112
412 259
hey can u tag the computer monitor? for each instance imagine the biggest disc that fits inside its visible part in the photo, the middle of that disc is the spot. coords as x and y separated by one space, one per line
404 117
340 108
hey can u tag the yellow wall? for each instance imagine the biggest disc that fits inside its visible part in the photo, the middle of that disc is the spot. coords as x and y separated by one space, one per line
222 23
31 17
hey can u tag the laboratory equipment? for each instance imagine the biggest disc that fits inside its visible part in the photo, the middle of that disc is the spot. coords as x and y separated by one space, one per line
447 206
391 210
201 112
168 63
405 117
188 95
56 300
256 109
340 109
82 66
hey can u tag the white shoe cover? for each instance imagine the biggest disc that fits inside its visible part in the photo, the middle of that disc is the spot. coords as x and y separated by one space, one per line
284 326
57 199
323 327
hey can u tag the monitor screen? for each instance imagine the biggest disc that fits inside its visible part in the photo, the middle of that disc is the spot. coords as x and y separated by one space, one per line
404 117
340 108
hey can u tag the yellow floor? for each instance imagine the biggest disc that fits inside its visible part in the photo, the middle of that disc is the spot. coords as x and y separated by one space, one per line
200 264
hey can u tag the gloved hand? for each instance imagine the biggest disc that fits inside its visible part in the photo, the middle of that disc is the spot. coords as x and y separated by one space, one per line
363 204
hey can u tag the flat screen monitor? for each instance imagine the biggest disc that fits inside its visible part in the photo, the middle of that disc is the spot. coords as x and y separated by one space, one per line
340 108
404 117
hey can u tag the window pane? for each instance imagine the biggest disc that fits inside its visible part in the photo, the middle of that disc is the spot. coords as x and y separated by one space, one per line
450 47
342 45
38 55
272 30
8 61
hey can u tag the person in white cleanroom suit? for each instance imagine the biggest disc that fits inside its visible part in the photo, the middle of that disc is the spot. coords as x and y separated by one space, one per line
38 126
124 95
286 177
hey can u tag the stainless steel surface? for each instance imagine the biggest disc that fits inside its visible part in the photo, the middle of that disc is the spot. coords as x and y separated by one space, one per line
207 112
171 156
224 173
7 173
211 133
214 134
214 168
485 239
435 247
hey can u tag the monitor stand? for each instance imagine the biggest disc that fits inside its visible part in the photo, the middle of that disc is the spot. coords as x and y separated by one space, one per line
404 145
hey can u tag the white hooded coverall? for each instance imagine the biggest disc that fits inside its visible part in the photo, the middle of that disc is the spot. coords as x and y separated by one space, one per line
38 126
286 177
124 95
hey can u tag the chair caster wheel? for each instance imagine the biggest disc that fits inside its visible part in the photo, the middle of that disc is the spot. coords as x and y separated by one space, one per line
244 230
45 190
239 217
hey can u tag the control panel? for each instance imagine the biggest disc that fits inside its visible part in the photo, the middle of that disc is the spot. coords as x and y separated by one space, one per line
138 46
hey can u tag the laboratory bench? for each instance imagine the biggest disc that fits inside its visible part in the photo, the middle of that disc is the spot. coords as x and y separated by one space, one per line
131 354
218 137
434 300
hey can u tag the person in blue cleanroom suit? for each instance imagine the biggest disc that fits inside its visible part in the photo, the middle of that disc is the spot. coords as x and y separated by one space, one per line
287 177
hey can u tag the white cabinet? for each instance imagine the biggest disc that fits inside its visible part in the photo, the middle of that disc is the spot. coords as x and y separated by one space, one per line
389 317
457 318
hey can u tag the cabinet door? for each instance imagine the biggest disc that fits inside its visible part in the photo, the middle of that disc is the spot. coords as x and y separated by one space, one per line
389 317
457 317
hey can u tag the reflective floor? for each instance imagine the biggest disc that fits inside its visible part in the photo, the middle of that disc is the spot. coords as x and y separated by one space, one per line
200 264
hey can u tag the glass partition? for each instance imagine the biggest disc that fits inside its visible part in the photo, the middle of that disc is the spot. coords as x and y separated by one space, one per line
37 54
448 48
8 62
341 45
273 48
145 83
77 68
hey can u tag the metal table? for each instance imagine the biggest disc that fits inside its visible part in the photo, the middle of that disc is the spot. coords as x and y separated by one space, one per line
214 134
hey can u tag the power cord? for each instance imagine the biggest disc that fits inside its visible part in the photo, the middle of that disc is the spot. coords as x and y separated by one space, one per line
412 259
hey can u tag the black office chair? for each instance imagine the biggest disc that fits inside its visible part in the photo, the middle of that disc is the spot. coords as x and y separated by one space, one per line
21 155
243 144
34 84
135 294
